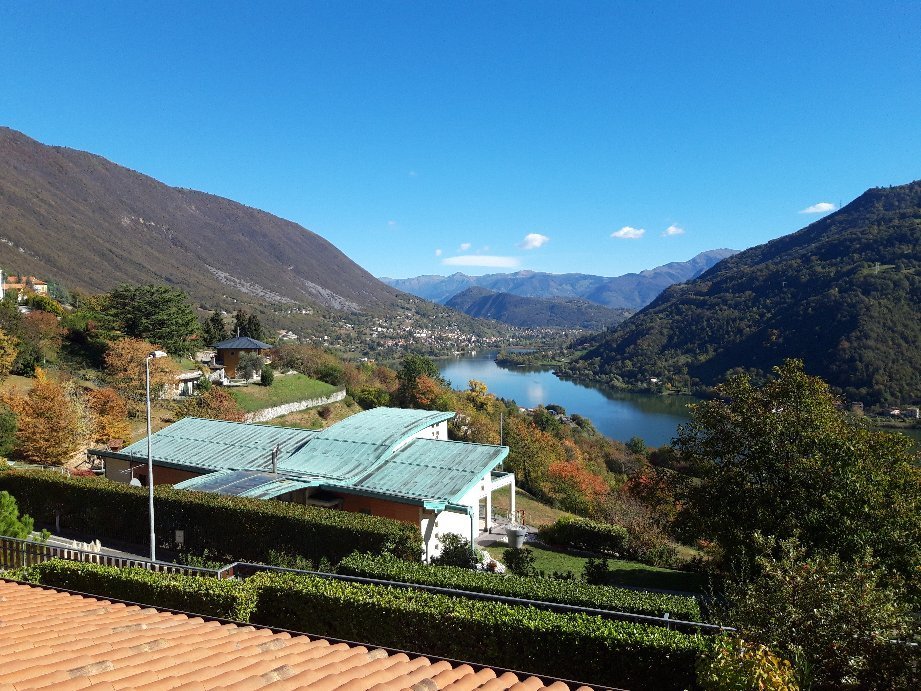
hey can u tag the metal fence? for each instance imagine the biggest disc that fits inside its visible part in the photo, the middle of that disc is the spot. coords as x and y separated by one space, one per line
16 553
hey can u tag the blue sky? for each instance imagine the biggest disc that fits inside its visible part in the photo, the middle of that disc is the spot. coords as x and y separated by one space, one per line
430 137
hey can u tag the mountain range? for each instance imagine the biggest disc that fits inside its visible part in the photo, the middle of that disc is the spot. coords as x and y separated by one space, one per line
630 291
843 294
82 221
531 312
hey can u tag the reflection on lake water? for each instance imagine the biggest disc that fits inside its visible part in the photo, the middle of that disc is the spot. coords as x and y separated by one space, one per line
618 415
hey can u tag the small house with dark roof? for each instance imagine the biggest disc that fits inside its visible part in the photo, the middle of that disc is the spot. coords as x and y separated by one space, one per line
229 352
389 462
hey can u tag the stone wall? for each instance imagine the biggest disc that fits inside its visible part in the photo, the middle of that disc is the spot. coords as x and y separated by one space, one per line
269 413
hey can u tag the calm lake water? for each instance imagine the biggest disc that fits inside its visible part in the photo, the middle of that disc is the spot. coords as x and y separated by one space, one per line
618 415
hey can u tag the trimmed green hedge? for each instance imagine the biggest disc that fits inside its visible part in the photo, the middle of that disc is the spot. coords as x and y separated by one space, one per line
574 646
214 597
227 528
581 533
544 589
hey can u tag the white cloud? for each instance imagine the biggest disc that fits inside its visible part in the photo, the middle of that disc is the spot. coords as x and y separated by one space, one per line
672 230
391 223
464 246
487 260
533 240
412 173
629 233
820 208
438 252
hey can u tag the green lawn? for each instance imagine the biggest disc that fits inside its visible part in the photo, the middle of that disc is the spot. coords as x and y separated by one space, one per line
285 389
625 572
536 514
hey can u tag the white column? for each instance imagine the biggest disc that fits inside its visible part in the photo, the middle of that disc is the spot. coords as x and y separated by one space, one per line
513 497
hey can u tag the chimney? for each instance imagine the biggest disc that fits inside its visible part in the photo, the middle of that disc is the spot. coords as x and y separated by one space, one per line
275 452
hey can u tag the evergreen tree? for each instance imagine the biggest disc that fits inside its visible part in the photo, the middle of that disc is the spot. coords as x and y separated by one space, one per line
213 329
155 313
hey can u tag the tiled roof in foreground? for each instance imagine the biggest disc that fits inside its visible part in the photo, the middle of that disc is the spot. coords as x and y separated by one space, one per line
64 641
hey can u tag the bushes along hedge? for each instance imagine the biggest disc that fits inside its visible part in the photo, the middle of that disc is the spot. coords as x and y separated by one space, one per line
214 597
574 646
386 567
228 528
581 533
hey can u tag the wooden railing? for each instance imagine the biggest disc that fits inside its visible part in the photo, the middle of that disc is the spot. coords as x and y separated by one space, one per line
15 553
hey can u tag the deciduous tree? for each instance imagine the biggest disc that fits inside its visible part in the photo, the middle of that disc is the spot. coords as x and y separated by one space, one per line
52 423
109 413
216 404
124 365
784 460
8 350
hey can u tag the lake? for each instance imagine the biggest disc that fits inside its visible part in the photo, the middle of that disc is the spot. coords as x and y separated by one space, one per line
617 414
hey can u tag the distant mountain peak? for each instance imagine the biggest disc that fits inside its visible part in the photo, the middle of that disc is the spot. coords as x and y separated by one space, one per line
630 291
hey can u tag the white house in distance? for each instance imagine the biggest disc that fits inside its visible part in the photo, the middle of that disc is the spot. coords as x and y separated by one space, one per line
387 462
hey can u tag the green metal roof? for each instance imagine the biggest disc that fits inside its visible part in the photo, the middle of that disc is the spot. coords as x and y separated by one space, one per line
346 450
371 453
209 445
432 469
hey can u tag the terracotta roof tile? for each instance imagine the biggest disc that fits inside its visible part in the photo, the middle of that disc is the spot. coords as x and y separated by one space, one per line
55 640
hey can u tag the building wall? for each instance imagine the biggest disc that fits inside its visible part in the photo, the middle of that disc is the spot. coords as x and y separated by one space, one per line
407 513
439 431
230 358
118 470
434 525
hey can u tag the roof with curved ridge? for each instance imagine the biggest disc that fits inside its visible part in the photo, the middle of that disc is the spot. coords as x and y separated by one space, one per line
375 453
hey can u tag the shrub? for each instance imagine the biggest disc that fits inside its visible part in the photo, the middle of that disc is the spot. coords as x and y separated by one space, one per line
520 561
574 646
731 664
456 551
581 533
110 510
215 597
267 376
834 619
564 592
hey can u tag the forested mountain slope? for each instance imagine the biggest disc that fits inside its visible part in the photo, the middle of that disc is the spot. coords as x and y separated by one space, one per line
77 219
531 312
843 294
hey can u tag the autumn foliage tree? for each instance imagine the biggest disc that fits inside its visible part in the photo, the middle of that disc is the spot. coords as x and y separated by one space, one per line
216 404
52 423
124 365
8 351
109 415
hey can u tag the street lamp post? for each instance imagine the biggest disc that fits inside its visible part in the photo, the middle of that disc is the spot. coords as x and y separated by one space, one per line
150 484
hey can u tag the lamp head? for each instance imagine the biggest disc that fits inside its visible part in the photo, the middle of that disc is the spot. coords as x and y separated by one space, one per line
156 354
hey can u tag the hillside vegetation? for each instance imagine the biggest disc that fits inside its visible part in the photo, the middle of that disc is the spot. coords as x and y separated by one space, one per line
842 294
536 312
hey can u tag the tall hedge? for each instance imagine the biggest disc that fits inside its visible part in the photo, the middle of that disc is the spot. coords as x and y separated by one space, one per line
386 567
575 646
228 528
581 533
214 597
